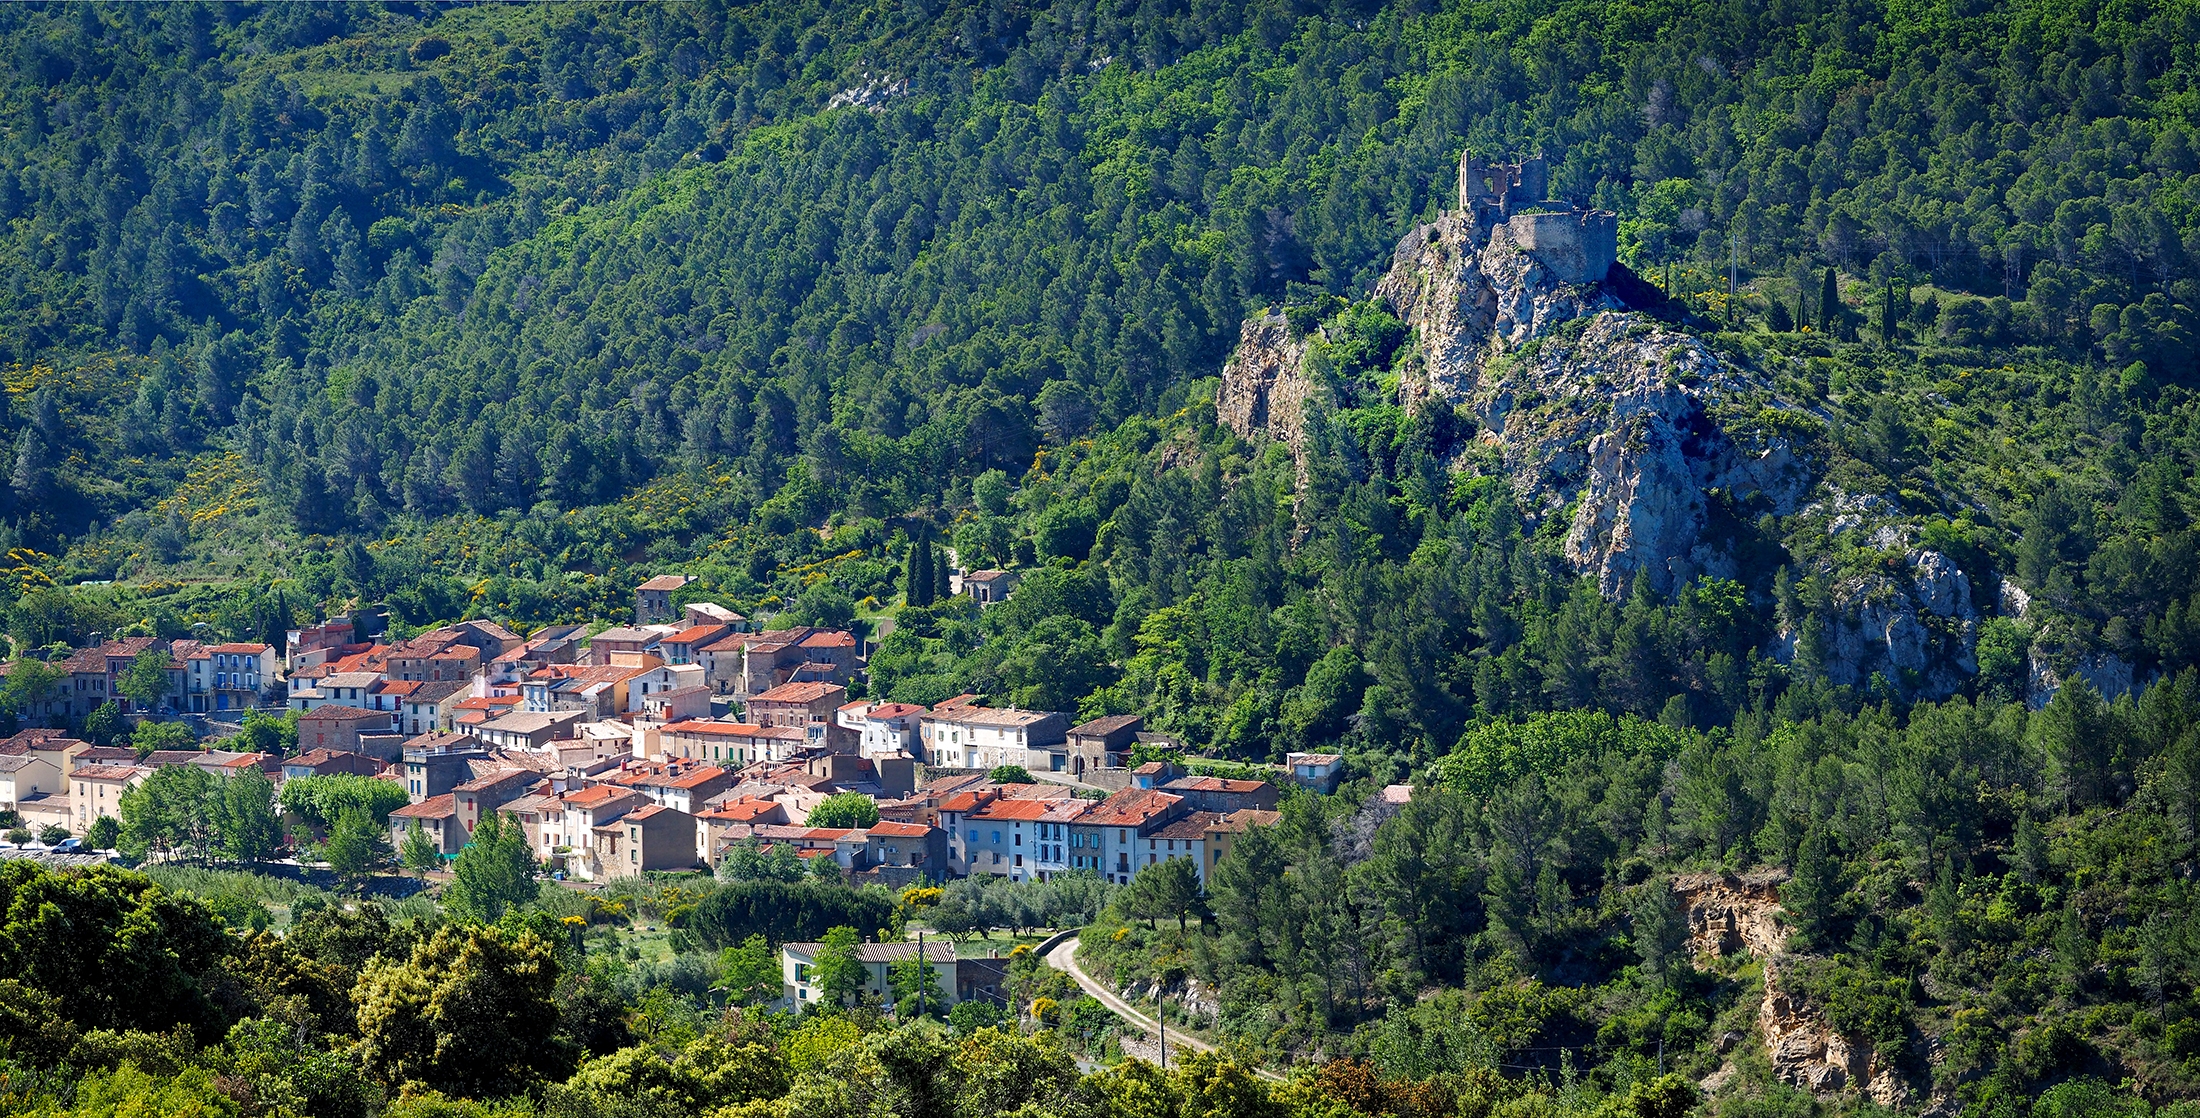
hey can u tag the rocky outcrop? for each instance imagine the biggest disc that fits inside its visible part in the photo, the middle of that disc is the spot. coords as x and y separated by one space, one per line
1662 453
1264 386
1730 913
1592 405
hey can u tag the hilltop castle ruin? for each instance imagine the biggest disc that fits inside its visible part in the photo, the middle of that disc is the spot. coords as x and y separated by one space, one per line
1577 245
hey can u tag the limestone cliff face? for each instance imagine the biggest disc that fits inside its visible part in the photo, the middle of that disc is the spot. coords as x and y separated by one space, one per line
1264 387
1729 914
1659 451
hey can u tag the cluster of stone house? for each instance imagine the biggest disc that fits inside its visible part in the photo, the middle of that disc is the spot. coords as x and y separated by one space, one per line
663 744
202 678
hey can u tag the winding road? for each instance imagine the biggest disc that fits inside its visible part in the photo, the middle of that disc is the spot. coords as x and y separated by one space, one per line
1063 957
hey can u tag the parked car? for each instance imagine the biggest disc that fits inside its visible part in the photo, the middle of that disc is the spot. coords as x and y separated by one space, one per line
69 846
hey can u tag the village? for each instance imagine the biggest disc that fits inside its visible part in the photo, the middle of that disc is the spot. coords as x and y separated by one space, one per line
657 745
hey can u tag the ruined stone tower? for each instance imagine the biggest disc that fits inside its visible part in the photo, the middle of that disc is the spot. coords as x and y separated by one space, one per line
1577 245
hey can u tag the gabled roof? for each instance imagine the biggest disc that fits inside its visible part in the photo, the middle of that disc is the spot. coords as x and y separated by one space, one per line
1106 726
315 758
239 649
698 778
499 779
745 811
1009 718
1214 784
538 803
1248 817
1013 810
934 951
652 811
437 690
963 801
829 638
886 711
799 693
626 633
444 806
711 727
488 702
1131 807
887 828
596 795
343 714
1192 827
694 633
665 582
107 772
529 721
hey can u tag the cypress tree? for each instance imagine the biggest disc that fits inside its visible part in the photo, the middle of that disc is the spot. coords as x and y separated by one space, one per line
942 587
1888 318
916 574
1829 304
1802 309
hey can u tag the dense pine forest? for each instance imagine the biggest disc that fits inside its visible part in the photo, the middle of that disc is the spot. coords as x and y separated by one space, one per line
494 311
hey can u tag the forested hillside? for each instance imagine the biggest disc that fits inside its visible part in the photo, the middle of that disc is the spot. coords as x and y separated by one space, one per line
494 311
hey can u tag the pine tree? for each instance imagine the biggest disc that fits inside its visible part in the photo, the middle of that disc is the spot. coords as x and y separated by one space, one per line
1810 894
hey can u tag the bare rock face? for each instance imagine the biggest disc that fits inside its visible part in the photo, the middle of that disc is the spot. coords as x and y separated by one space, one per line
1728 914
1264 386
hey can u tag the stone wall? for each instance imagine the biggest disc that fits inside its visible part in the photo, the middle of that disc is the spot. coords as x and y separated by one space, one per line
1578 247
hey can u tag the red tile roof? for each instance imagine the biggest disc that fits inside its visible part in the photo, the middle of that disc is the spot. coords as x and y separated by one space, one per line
1014 810
889 829
694 633
1216 784
665 582
444 806
596 795
745 811
1131 807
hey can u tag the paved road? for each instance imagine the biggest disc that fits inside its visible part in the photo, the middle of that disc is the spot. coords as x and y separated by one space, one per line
1064 958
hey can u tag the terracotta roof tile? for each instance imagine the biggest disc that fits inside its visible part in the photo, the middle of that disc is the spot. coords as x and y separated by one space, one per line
444 806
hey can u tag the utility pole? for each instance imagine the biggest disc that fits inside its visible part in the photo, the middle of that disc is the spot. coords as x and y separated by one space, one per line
1161 1019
